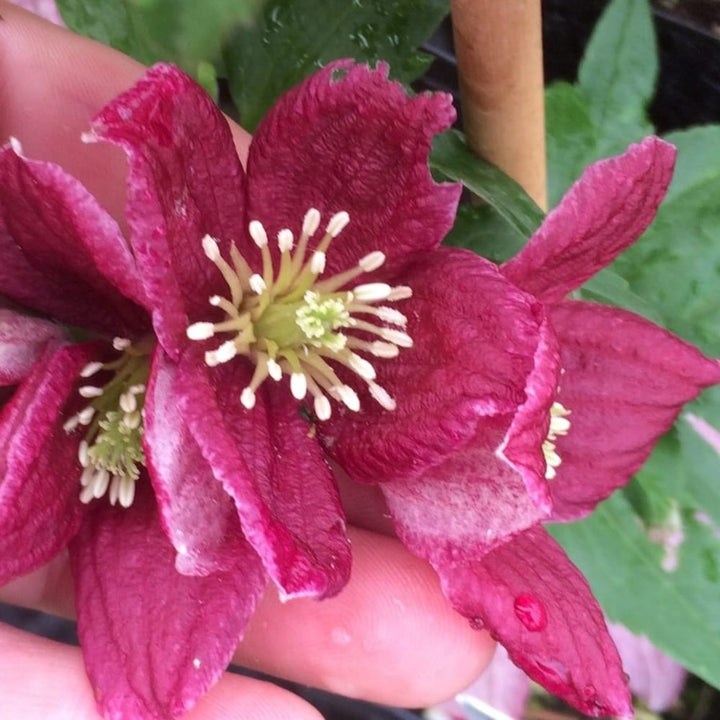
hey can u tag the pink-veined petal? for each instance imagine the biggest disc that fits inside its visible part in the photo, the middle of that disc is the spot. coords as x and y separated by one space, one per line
624 384
153 640
40 509
347 139
603 213
185 180
61 253
285 493
475 338
22 340
199 517
537 604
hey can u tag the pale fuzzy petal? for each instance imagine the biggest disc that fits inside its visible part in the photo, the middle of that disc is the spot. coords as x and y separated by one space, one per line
44 8
22 340
153 640
655 677
606 210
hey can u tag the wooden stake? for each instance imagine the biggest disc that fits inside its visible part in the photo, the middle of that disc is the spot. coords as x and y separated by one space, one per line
498 44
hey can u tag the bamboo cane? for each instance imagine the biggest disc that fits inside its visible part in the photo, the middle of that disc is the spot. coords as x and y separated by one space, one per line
498 44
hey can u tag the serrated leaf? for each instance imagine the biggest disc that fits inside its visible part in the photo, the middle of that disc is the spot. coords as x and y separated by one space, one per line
185 32
676 264
677 610
294 37
454 161
618 73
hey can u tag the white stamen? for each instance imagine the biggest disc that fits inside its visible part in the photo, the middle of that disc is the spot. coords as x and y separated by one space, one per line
86 478
114 490
257 284
71 423
274 369
211 248
128 402
214 300
382 396
90 369
247 398
337 223
90 391
86 415
371 292
137 389
100 482
348 396
395 336
401 292
86 494
322 406
126 491
298 385
372 261
317 264
16 146
132 420
285 240
83 453
384 350
391 315
311 221
121 343
257 233
362 367
227 351
200 331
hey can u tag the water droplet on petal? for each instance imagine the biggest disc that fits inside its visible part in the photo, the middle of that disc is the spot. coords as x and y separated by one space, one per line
531 612
477 623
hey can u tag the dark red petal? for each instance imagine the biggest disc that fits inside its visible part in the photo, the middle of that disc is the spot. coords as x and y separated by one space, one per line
40 508
603 213
537 604
625 381
185 180
347 139
475 340
22 340
197 514
61 253
463 507
153 640
285 493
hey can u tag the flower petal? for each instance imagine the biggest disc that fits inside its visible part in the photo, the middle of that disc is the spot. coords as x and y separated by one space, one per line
61 253
197 514
185 180
342 140
475 340
602 214
536 603
625 382
285 493
22 340
153 640
40 508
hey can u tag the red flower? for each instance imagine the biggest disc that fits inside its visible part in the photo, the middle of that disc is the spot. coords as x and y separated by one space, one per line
425 368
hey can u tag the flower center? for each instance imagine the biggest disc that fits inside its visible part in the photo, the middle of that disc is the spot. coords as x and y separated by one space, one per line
111 452
559 425
288 321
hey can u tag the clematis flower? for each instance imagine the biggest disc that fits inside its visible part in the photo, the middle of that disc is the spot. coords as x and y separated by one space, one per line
260 322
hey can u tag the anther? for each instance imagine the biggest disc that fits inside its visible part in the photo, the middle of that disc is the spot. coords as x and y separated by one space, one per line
384 349
257 233
397 337
86 415
401 292
71 423
90 369
128 402
90 391
285 240
298 385
211 248
311 222
382 396
317 264
371 292
322 407
257 284
348 396
200 330
337 224
362 367
274 369
83 453
247 398
391 315
372 261
121 343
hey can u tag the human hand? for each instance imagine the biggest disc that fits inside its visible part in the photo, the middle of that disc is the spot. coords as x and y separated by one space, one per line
382 638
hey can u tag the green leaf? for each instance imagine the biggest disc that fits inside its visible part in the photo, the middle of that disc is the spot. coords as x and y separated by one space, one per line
185 32
618 73
451 158
294 37
571 137
676 265
677 610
